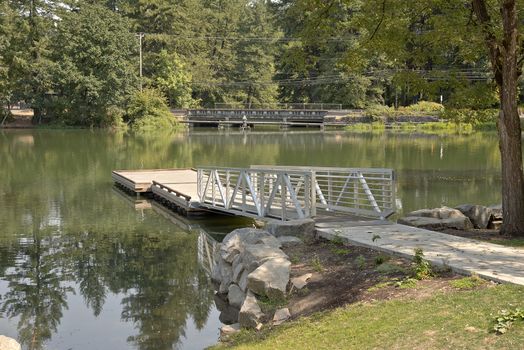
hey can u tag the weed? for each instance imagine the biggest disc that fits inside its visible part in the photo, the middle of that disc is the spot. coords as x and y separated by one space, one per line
268 305
421 268
406 283
379 286
375 237
337 240
360 261
295 259
340 251
380 259
317 264
505 319
467 282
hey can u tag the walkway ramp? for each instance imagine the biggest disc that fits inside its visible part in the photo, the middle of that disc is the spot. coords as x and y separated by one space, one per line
465 256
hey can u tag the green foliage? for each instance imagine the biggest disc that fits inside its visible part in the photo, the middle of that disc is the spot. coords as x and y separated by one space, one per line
337 240
360 261
421 268
317 264
505 319
148 110
407 283
467 282
174 80
380 259
93 69
340 251
471 116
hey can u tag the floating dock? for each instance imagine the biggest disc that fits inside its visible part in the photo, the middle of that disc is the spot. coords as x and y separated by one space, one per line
175 188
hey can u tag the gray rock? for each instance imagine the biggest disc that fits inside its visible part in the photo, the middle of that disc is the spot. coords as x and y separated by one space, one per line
237 272
496 211
242 281
301 281
216 275
281 315
235 296
479 215
298 228
250 315
220 302
7 343
229 315
229 329
459 223
233 243
255 255
270 278
289 241
437 213
226 270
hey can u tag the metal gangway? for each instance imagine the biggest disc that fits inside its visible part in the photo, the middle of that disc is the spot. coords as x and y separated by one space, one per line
291 192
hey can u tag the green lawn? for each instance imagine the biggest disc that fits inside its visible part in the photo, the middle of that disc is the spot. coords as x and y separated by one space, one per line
516 242
455 320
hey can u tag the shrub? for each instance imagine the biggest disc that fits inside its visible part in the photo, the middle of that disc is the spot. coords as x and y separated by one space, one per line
425 106
148 110
470 116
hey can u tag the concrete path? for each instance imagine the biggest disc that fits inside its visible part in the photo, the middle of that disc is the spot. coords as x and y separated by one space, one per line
463 255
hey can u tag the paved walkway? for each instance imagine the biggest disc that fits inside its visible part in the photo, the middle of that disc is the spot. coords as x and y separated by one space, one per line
463 255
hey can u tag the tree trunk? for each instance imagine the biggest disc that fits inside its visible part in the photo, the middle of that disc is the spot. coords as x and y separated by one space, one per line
504 57
510 140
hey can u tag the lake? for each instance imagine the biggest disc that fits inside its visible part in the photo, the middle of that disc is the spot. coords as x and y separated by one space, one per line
83 266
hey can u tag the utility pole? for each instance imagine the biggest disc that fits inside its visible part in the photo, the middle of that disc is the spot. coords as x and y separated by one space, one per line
140 36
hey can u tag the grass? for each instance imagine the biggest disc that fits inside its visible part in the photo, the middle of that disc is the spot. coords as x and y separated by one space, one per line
515 242
467 282
455 320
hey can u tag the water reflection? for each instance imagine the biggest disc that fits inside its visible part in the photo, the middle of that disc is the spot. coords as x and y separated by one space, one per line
79 260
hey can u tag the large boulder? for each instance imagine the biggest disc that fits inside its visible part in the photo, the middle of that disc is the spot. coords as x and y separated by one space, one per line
235 296
233 243
479 215
437 213
255 255
430 223
250 315
270 279
297 228
496 211
289 241
7 343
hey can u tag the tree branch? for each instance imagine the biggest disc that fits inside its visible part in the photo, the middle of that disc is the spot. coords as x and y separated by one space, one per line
481 11
380 21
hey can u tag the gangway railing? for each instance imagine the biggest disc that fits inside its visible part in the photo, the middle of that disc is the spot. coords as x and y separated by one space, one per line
368 192
257 192
291 192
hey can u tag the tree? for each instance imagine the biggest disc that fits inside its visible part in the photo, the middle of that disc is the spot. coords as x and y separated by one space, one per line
95 69
505 45
429 33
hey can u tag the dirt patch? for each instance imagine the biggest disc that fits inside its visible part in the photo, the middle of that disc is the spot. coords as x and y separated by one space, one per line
344 274
20 119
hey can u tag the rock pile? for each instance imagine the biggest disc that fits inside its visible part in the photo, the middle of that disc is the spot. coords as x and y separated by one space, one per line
250 264
463 217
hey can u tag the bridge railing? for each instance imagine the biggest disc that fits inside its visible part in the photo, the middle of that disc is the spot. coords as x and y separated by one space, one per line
368 192
298 192
257 192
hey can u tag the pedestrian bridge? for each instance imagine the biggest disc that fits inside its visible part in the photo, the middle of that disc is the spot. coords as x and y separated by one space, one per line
261 191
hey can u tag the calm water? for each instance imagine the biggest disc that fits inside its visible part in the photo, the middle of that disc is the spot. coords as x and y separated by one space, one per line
82 268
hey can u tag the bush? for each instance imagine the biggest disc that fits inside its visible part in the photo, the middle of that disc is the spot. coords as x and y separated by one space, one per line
425 106
148 110
470 116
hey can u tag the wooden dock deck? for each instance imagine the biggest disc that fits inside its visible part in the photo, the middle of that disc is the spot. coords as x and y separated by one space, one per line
175 188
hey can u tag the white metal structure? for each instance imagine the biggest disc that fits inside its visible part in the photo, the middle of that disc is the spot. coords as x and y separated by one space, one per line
297 192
